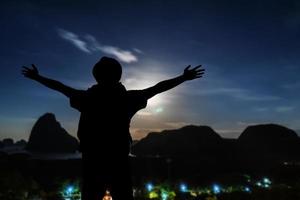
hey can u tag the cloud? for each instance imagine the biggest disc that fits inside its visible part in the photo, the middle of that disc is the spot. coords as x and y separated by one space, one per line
123 55
89 44
73 39
138 50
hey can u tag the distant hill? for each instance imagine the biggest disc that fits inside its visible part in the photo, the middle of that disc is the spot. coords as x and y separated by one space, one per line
47 136
191 152
9 144
21 143
188 140
267 133
269 141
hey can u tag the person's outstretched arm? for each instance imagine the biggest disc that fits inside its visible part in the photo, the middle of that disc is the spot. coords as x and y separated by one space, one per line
188 74
33 74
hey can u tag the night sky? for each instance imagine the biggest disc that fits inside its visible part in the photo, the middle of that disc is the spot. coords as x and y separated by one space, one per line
250 50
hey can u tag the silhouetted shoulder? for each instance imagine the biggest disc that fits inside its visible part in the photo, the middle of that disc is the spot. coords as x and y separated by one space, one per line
137 100
77 99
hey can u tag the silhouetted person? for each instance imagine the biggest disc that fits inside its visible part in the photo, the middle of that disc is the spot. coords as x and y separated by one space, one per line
106 110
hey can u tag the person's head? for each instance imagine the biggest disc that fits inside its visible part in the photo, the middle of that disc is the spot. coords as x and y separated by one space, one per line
107 70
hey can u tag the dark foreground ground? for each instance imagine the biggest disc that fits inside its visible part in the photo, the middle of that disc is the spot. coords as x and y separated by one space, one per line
22 177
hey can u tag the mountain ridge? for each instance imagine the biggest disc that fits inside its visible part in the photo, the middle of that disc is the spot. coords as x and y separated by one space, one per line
263 140
48 136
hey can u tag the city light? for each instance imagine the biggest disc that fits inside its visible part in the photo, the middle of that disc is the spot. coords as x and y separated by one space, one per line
183 187
153 195
149 187
216 189
107 196
70 190
266 181
164 196
247 177
247 189
165 191
259 184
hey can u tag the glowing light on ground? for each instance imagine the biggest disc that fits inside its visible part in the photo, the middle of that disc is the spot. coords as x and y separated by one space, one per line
153 195
216 189
183 187
164 196
247 189
266 181
167 191
107 196
259 184
149 187
70 189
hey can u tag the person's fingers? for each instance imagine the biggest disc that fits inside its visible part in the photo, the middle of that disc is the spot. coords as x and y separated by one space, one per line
187 68
200 70
34 67
197 67
199 73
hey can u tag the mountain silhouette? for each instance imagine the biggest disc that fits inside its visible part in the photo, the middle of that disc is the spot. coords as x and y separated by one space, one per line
261 141
267 132
47 136
188 140
269 140
21 143
7 142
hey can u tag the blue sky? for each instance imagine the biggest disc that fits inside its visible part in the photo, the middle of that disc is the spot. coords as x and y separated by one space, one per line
250 50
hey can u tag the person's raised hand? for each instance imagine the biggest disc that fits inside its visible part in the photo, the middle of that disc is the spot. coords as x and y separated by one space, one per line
196 72
31 73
